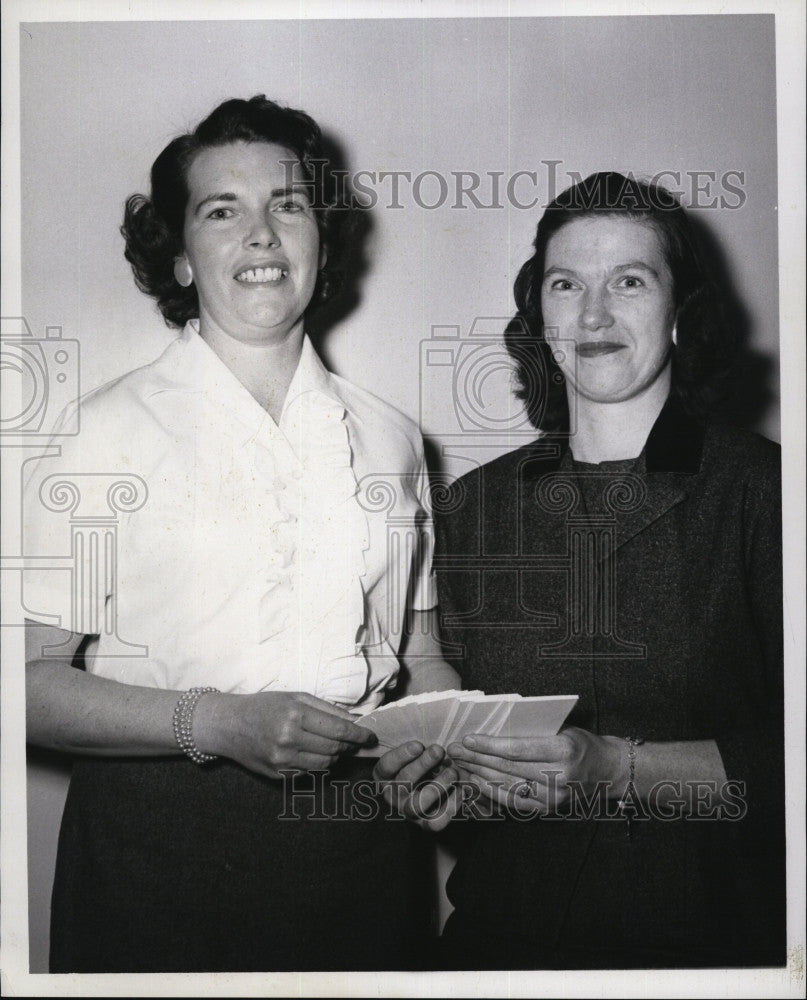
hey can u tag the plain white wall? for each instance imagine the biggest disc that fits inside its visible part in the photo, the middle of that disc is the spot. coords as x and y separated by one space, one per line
99 101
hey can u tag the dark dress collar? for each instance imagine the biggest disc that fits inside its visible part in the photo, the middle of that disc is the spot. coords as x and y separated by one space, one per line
675 444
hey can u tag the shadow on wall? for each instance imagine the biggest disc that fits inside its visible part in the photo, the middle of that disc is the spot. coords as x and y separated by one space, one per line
355 226
751 391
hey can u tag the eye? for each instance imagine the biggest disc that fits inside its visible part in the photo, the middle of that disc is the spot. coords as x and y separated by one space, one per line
630 281
562 285
292 205
220 213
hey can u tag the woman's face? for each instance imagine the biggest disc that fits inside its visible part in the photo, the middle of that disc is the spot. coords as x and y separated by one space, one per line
251 240
607 295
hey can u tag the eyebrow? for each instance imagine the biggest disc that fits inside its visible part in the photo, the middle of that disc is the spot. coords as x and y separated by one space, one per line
636 265
281 192
633 265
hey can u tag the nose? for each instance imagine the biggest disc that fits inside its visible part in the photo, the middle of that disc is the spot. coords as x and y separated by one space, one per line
261 232
595 313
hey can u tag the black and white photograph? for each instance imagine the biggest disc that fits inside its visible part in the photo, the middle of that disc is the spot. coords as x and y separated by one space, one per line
403 499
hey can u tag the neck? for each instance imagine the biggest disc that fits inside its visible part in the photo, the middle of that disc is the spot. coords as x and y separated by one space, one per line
608 432
264 369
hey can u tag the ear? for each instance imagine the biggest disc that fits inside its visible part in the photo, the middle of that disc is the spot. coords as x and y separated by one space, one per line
183 272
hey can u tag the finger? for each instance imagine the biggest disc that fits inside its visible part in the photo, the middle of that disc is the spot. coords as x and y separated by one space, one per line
314 743
302 760
422 765
324 706
444 815
514 748
400 785
507 798
391 763
507 783
490 774
428 800
531 769
334 727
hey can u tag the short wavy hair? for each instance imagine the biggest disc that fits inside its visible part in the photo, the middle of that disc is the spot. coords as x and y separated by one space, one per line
152 226
706 340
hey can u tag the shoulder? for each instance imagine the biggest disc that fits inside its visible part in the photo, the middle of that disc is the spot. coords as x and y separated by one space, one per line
389 428
133 388
116 420
530 461
492 492
734 453
366 405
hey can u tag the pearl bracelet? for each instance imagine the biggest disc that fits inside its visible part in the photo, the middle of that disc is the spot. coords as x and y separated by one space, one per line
183 724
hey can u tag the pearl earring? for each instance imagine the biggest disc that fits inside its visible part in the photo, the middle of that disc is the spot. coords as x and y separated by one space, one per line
675 336
183 272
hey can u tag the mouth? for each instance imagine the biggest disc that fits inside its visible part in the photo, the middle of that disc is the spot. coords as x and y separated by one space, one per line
261 275
598 349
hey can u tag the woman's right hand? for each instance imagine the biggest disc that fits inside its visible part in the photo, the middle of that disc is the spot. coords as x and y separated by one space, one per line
273 731
419 784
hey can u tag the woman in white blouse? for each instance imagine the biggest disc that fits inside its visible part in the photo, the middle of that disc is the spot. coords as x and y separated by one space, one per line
251 605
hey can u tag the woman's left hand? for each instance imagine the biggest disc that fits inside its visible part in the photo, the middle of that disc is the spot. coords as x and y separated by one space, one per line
539 770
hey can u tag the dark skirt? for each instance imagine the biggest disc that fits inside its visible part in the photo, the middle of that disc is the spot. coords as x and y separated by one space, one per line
165 866
579 894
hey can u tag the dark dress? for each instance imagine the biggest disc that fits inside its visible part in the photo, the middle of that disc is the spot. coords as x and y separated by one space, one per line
656 596
215 869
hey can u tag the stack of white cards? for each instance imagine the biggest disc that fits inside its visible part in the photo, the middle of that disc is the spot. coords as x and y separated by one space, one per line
444 717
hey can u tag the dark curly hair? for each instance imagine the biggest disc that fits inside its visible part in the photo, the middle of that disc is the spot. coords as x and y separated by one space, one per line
706 341
152 227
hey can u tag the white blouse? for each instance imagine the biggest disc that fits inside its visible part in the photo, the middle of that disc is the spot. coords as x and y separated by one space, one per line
207 545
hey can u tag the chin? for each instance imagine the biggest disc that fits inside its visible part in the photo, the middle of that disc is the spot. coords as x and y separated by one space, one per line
600 394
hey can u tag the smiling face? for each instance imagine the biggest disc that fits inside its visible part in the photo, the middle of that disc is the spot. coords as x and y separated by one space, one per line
607 288
251 240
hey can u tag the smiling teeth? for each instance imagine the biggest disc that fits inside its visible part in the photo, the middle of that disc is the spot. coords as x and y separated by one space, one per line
256 274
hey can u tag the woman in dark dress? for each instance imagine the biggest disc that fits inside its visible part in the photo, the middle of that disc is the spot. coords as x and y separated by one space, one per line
630 555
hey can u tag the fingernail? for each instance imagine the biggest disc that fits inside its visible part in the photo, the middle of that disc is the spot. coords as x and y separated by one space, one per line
470 742
413 747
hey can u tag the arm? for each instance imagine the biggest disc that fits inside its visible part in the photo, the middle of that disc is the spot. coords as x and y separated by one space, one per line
422 664
78 712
